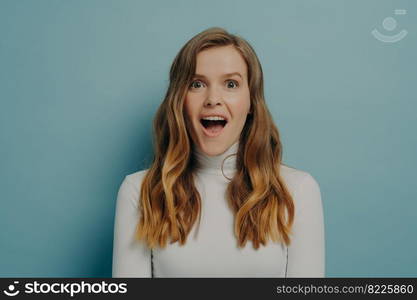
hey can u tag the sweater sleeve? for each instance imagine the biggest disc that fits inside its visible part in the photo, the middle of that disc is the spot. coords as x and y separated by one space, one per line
131 258
306 252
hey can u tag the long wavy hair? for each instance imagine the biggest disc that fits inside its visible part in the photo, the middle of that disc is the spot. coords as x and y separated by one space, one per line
169 202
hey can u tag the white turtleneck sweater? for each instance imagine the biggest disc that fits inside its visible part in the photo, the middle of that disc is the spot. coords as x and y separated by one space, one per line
213 252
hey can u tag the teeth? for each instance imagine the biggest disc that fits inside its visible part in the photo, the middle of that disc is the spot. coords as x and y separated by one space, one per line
214 118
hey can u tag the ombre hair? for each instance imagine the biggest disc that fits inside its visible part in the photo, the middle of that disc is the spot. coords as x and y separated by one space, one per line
170 203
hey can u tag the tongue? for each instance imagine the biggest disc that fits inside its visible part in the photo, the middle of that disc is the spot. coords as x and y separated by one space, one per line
214 128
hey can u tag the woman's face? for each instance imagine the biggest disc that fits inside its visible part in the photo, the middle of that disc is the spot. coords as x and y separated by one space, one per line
215 91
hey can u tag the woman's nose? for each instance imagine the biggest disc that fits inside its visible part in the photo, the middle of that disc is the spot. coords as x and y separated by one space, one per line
214 97
211 102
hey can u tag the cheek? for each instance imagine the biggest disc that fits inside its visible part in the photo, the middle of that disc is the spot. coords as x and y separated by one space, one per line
187 107
242 108
190 109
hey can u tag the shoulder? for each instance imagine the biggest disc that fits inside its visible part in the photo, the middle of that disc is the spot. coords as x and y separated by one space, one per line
304 188
136 178
297 179
130 187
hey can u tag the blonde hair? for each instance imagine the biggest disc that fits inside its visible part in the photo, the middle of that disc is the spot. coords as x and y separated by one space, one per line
169 201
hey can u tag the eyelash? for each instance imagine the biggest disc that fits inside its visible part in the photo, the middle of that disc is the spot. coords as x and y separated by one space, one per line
234 81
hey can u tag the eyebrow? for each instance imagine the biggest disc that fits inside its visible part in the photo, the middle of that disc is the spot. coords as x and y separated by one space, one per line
224 75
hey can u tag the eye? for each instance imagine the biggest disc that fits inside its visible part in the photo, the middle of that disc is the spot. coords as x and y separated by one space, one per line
192 85
234 82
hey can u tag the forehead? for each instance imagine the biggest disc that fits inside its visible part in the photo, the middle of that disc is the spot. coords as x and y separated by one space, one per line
217 61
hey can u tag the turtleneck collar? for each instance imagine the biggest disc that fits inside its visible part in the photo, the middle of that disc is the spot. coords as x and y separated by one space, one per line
213 164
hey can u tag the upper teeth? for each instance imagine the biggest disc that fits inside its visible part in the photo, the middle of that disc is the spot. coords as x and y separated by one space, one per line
214 118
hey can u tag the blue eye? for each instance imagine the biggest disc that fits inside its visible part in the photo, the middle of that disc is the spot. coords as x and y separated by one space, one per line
195 81
234 82
200 84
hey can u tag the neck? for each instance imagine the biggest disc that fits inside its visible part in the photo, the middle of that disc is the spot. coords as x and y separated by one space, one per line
223 164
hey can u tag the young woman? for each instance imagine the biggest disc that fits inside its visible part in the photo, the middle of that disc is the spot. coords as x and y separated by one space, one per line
218 159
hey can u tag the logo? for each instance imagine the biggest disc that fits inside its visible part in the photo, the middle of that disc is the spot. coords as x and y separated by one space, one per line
11 290
69 288
390 24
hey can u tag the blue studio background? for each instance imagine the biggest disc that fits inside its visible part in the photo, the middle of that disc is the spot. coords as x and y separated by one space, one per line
80 82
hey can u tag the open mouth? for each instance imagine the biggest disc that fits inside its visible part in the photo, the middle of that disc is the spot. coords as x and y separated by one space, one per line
213 123
213 127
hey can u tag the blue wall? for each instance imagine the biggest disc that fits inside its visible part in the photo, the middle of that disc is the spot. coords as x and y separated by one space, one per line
80 82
